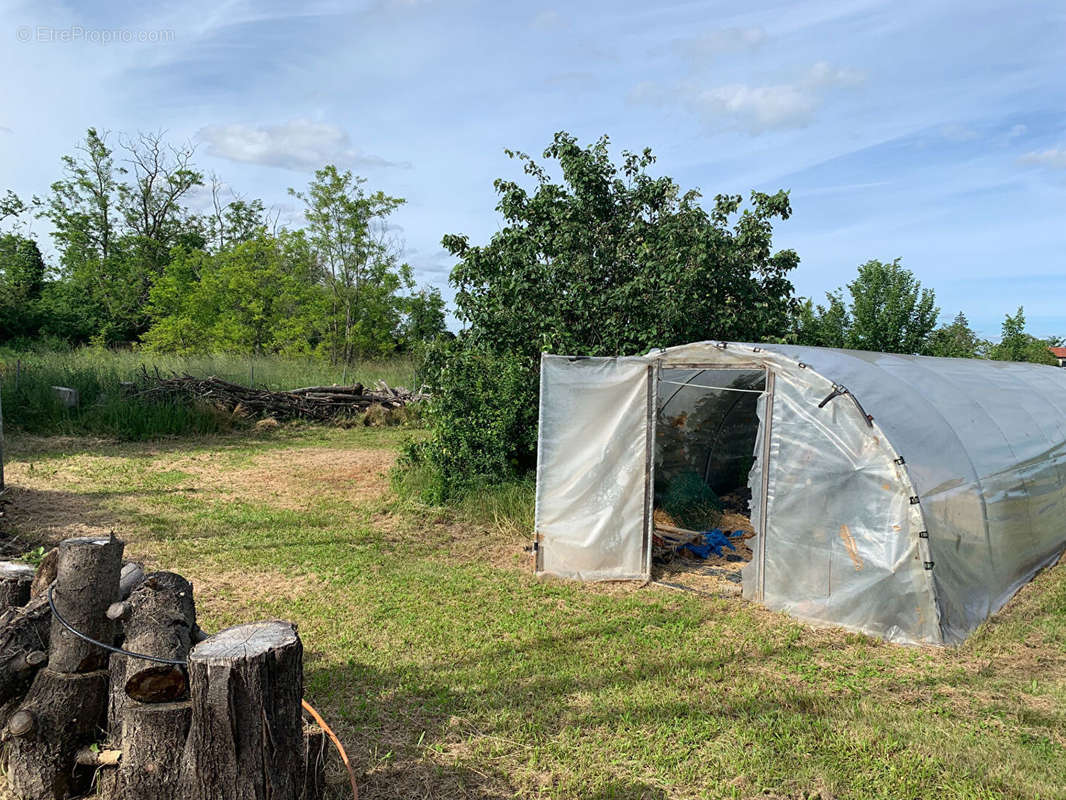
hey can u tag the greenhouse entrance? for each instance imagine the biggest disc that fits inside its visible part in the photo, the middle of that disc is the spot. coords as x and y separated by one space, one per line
706 442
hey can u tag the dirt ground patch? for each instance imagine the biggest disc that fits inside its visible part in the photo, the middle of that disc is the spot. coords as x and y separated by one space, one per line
44 516
294 479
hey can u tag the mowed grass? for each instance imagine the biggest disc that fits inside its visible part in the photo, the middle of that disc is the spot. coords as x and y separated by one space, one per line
450 671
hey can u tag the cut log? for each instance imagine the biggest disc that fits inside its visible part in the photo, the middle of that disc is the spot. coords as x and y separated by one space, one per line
117 698
246 737
153 739
86 584
315 746
46 573
24 636
129 579
61 713
161 622
15 581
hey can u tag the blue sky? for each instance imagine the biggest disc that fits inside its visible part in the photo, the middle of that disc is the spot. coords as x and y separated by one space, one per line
933 132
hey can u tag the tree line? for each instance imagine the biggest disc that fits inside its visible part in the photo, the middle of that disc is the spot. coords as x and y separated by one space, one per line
592 258
887 310
135 263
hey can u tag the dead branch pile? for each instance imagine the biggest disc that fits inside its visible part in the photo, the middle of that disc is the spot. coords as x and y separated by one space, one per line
318 403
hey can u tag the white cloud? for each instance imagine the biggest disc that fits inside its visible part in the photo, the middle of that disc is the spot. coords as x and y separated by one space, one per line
1017 131
298 144
5 129
1054 157
757 109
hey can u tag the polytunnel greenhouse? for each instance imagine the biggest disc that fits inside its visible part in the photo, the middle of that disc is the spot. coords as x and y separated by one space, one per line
903 496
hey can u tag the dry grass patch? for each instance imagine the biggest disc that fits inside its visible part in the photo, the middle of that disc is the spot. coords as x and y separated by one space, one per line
296 479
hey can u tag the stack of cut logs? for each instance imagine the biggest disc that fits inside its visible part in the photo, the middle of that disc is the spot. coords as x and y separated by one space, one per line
211 717
320 403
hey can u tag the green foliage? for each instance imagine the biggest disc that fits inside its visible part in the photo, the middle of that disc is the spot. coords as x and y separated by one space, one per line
606 261
957 340
114 234
1017 345
22 274
612 260
887 311
424 319
255 297
483 412
135 263
359 263
11 206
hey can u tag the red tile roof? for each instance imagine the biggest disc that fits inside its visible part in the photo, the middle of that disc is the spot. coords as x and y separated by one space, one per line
1058 352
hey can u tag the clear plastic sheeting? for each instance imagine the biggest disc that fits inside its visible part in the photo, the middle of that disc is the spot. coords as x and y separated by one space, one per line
914 523
593 481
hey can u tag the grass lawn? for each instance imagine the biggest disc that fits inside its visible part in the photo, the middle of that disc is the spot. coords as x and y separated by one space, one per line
450 671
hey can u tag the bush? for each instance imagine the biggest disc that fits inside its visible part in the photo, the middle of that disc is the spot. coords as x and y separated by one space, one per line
482 417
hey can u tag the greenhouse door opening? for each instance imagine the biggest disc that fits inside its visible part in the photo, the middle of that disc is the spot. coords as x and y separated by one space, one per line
706 444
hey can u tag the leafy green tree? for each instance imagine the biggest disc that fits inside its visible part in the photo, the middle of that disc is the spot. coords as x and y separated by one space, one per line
83 205
887 311
424 319
956 340
114 227
606 260
612 260
358 262
22 278
823 326
1017 345
11 206
256 297
233 221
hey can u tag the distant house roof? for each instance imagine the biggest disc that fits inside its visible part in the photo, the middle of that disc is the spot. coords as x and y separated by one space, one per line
1058 352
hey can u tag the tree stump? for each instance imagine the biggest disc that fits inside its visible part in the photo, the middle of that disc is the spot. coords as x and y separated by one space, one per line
87 577
153 740
61 712
246 737
160 620
15 582
24 637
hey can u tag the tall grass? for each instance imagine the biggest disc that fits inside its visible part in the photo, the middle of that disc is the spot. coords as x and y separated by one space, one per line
104 408
505 508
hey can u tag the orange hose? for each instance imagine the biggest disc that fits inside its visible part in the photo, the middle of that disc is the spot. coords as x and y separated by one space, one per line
336 743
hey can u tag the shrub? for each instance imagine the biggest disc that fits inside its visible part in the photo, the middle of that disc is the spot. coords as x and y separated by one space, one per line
483 417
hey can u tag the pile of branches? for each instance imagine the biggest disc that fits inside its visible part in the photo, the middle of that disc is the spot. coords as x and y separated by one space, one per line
318 403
